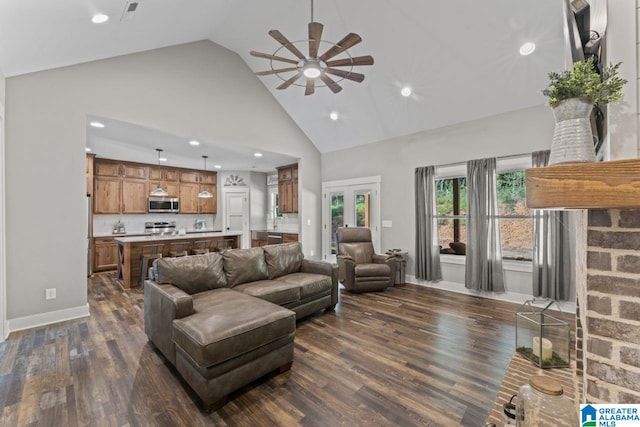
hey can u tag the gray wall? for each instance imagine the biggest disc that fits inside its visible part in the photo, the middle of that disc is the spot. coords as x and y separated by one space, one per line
2 87
394 160
198 89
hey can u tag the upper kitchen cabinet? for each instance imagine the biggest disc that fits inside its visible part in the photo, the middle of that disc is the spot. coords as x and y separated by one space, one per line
163 174
123 187
191 184
168 178
288 188
120 188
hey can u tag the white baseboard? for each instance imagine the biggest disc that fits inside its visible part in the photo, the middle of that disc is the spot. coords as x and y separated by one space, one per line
33 321
565 306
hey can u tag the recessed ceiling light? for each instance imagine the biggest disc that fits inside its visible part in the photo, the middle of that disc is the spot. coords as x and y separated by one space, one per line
527 48
333 115
99 18
96 124
162 159
257 154
87 149
405 91
194 142
217 166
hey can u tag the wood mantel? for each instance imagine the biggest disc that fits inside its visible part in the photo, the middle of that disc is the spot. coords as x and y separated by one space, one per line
598 185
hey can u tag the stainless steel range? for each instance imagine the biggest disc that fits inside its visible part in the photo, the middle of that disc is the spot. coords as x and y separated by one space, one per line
160 227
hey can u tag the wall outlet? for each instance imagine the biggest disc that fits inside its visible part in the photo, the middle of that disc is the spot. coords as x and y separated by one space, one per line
387 223
50 293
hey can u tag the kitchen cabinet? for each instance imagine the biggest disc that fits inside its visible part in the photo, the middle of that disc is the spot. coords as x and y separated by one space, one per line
163 174
134 196
189 197
123 187
168 178
120 188
262 238
107 195
191 184
105 254
288 189
289 237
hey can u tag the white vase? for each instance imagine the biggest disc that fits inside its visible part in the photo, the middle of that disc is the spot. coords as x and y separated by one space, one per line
572 137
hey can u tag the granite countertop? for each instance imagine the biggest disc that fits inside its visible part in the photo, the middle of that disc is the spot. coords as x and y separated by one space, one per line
156 237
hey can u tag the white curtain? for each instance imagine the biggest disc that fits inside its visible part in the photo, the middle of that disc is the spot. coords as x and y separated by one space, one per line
553 246
427 250
483 267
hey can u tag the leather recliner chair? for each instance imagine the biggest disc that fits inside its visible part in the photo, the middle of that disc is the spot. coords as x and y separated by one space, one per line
360 269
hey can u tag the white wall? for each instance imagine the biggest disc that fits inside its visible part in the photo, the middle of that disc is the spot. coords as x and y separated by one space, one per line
198 89
395 160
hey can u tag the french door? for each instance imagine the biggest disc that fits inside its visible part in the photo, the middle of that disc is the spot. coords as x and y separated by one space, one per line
349 203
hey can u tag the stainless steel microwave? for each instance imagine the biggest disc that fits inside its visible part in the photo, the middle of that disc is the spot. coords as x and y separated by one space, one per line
164 205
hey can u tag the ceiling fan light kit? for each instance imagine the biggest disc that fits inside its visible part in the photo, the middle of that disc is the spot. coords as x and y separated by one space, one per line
313 66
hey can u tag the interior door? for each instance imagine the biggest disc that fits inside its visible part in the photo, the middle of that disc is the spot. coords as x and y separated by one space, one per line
237 215
353 203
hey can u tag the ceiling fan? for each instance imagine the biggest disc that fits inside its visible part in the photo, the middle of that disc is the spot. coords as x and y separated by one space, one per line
314 66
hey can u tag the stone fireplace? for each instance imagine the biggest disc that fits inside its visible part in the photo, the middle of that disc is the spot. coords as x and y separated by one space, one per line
609 351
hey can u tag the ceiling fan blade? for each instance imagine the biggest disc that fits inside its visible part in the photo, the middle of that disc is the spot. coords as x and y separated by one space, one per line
315 35
335 87
279 70
286 43
273 57
356 77
311 86
358 60
289 82
349 40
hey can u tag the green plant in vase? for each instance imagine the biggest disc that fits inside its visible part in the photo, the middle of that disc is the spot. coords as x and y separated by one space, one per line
572 94
585 82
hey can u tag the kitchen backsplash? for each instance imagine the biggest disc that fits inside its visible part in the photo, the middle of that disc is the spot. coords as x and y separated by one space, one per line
134 224
288 223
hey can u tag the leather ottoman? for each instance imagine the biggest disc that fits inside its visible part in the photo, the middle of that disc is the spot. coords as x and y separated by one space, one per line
231 340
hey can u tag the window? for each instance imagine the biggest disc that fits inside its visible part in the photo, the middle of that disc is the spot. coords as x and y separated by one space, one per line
516 224
451 204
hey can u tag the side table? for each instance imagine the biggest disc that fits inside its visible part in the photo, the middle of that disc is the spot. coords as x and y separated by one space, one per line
401 265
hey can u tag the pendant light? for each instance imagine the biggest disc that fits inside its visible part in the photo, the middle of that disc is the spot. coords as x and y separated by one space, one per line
204 194
159 191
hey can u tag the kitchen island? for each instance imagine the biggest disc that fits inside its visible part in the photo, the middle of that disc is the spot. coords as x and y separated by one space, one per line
130 250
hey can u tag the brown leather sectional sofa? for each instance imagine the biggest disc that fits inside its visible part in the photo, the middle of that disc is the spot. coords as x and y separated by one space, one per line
225 319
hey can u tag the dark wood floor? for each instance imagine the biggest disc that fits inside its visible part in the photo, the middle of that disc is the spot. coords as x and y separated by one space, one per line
406 356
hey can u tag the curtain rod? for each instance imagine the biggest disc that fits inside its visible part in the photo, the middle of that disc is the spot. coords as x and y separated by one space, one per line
512 156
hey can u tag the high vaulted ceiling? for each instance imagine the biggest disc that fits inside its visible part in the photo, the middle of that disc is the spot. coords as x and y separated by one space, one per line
460 58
